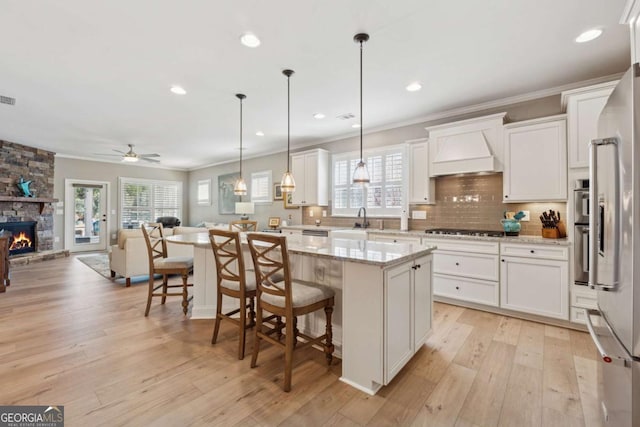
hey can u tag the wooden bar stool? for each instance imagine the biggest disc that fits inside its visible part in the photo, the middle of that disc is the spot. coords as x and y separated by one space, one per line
233 282
278 294
160 263
243 225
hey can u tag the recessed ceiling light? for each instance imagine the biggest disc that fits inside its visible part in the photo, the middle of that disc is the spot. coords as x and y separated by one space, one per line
589 35
355 125
414 87
259 133
250 40
178 90
319 116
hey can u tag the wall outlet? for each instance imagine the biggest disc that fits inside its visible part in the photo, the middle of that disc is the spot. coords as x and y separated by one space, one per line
311 213
526 216
324 214
113 236
56 239
419 214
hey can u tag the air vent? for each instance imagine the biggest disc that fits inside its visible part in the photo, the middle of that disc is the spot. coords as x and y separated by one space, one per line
347 116
7 100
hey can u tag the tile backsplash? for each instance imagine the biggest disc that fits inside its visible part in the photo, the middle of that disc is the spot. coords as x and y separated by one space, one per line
465 201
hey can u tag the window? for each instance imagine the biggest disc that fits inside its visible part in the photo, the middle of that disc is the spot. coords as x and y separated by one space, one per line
261 187
385 194
204 192
145 200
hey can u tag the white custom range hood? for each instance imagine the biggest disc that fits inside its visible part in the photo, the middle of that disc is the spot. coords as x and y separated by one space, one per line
467 146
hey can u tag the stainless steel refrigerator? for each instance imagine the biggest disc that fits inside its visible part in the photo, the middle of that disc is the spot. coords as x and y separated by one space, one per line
615 251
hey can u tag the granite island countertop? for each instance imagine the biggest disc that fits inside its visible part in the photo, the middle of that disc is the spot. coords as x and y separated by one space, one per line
382 254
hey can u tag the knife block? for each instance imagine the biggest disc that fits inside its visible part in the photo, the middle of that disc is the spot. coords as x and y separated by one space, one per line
550 233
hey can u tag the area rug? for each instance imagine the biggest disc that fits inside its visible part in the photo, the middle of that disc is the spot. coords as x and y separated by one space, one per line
100 264
97 262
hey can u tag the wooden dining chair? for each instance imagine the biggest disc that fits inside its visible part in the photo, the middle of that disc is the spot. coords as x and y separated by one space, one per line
243 225
279 294
160 263
234 281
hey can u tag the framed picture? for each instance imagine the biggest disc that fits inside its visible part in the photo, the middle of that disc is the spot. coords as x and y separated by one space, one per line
288 200
274 222
226 199
277 192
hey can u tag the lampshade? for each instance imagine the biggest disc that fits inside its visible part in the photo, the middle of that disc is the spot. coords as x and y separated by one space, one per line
244 209
288 184
240 187
361 174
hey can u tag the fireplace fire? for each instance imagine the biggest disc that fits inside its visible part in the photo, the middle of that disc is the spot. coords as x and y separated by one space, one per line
23 236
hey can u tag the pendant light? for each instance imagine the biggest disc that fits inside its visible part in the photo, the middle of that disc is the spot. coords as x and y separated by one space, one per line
240 188
288 184
361 174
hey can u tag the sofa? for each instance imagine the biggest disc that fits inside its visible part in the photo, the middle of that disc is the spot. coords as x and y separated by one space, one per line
129 258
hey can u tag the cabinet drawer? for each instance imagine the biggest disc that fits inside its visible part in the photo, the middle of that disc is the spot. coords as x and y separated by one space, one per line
394 239
476 266
477 247
478 291
586 298
535 251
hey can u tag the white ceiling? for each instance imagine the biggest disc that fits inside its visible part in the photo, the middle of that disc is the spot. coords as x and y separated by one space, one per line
91 76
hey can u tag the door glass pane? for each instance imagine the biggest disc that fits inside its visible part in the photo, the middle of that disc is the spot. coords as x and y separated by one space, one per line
88 214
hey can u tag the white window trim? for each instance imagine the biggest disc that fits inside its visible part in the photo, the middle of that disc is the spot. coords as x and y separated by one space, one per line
203 192
378 213
265 198
125 180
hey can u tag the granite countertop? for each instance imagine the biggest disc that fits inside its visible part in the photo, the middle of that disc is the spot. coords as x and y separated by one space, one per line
539 240
382 254
315 227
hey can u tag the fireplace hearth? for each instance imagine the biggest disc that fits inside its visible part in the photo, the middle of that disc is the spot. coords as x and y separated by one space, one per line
24 236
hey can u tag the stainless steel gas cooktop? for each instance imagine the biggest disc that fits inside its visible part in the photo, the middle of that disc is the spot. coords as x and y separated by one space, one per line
463 232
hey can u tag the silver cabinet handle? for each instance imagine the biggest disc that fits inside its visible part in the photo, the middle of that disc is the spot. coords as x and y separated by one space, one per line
594 220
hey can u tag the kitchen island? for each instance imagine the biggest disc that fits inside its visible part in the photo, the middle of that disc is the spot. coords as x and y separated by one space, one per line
383 299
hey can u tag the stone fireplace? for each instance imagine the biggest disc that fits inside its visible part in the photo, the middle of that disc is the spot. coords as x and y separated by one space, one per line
37 166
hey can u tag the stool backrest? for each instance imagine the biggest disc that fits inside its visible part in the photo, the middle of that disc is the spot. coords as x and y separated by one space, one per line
227 252
271 262
243 225
156 245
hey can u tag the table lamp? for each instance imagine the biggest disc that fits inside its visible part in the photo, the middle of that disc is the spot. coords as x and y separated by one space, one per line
244 209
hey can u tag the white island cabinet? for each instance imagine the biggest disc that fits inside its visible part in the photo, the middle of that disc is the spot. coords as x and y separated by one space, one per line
382 312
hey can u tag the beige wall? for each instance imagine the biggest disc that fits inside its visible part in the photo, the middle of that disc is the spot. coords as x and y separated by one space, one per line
66 168
276 163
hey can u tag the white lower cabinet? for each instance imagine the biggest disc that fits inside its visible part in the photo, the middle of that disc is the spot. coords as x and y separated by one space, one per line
407 313
466 270
379 237
532 284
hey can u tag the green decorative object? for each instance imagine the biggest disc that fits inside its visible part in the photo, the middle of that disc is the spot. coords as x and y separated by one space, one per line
24 187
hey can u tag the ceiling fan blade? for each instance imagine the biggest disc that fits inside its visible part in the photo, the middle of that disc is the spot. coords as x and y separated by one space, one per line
118 151
108 155
146 159
149 155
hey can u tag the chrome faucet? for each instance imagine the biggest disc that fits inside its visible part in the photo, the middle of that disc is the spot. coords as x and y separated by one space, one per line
364 223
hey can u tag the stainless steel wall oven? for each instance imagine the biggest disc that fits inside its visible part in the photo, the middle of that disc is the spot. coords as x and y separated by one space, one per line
581 232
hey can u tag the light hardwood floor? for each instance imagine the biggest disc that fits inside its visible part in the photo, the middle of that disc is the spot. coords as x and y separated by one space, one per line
70 337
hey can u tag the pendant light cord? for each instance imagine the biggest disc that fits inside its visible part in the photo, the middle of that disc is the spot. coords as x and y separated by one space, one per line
240 138
361 159
288 122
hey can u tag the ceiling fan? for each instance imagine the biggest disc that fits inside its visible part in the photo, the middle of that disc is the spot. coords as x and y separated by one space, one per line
131 156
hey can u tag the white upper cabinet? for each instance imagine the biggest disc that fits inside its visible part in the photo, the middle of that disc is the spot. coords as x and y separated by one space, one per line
467 146
535 160
422 188
311 171
583 107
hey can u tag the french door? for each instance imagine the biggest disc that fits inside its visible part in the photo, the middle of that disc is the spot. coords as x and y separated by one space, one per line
86 215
